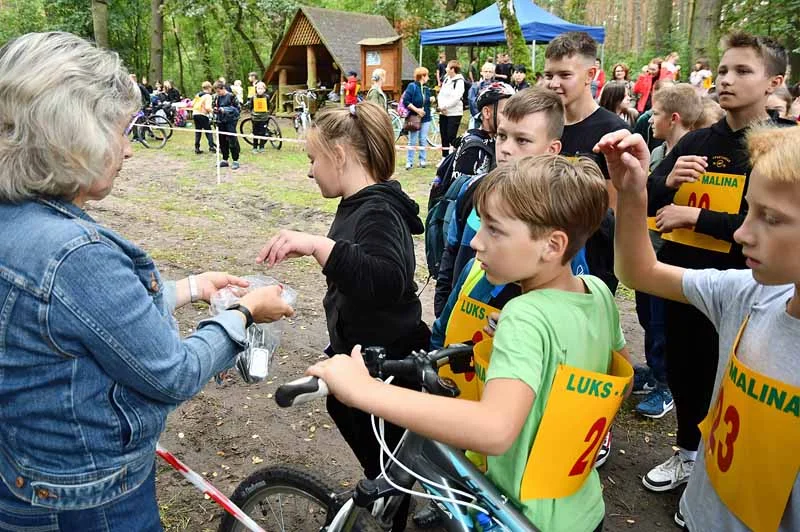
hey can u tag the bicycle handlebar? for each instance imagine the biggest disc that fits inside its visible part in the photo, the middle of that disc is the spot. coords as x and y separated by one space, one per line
419 366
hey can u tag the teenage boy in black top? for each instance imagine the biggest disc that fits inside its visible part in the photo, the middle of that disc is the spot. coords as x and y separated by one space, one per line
226 109
504 68
569 68
699 237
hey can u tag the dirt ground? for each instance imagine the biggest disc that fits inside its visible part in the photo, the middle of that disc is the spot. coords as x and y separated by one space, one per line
168 202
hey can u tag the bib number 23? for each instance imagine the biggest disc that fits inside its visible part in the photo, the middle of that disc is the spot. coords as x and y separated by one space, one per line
724 450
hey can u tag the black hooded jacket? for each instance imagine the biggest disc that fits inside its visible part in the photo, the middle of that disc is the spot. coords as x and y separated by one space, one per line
371 298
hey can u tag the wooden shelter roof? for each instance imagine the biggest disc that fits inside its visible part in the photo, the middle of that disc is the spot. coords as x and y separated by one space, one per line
340 32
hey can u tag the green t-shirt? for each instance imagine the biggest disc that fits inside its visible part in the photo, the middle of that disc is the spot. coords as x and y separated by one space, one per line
538 331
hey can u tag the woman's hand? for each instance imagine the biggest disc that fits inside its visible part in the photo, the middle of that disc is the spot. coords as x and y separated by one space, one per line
287 245
209 283
676 217
266 304
346 376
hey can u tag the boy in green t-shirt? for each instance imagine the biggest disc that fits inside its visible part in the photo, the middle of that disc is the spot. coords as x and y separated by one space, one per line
536 213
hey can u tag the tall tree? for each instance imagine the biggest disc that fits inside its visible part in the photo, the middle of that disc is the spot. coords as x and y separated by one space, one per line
156 72
100 22
661 36
704 34
517 47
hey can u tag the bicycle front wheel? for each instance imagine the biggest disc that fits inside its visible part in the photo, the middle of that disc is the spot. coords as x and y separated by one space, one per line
287 499
246 129
274 130
153 136
434 136
164 124
397 124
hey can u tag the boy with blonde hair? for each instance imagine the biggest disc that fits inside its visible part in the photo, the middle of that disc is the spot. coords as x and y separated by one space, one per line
536 213
746 477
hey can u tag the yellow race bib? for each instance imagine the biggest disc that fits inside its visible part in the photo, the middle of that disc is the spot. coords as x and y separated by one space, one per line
712 191
581 407
466 324
751 439
260 105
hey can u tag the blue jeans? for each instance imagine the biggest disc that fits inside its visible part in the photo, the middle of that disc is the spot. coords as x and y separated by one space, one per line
650 311
136 510
418 138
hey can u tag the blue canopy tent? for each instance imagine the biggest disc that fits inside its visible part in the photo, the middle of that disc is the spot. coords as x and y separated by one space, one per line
485 27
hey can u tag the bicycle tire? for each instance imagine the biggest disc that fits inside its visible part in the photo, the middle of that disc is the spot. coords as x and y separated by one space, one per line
274 130
160 121
246 129
434 138
397 124
152 135
291 481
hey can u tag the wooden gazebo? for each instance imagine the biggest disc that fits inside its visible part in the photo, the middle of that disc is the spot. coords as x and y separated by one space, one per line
322 45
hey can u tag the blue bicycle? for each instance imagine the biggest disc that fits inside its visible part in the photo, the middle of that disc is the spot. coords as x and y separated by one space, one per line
287 498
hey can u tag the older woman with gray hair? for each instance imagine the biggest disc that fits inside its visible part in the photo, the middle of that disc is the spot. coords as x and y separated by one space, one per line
91 361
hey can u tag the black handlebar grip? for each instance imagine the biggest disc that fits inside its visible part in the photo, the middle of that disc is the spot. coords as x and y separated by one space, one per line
300 391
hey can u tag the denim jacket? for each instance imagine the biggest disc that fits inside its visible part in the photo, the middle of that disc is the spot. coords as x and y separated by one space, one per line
91 361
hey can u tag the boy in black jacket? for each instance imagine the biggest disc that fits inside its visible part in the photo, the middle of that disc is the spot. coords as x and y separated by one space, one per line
226 109
569 70
697 198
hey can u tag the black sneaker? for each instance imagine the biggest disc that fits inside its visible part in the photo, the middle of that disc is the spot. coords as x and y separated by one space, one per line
212 149
223 164
198 151
679 520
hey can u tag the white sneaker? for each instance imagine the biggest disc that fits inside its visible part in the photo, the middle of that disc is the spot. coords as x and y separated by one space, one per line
604 452
669 475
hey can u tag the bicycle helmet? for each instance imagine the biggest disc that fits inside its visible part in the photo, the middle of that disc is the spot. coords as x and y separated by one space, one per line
493 93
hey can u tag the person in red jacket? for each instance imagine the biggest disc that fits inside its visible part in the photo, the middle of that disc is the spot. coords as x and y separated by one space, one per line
351 89
599 79
643 88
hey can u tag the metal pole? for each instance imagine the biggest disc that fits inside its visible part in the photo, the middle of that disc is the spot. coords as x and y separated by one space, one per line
603 56
533 56
420 52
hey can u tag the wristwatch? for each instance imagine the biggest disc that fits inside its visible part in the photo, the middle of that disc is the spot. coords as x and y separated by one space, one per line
244 310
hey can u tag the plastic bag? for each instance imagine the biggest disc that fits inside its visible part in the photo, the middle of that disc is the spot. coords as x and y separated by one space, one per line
263 339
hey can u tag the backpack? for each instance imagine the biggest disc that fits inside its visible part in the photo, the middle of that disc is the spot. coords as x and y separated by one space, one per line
442 200
465 96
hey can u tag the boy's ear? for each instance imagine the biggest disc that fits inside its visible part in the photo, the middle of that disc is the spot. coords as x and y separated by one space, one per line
774 83
675 118
556 246
555 147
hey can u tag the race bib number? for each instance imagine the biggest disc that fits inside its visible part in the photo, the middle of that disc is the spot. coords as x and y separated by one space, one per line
751 437
260 105
581 407
712 191
466 324
251 91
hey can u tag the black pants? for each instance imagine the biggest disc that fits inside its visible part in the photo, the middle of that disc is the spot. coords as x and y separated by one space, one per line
692 349
228 143
448 128
259 130
201 122
356 428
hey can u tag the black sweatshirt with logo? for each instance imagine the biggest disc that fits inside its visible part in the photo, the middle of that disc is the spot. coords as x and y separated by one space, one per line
726 153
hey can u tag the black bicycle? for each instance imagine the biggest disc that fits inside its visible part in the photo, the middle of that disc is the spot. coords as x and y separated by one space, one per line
288 498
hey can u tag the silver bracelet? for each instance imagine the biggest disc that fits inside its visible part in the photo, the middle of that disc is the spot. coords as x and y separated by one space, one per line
194 294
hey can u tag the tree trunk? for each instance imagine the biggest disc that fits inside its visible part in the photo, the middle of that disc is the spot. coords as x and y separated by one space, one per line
156 42
660 36
704 40
237 26
576 11
181 84
202 43
517 47
636 16
451 51
100 22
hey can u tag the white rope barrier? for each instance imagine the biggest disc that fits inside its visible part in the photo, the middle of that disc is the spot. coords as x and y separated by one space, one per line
217 133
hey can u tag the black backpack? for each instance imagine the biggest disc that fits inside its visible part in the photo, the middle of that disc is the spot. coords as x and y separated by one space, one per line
442 199
465 96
